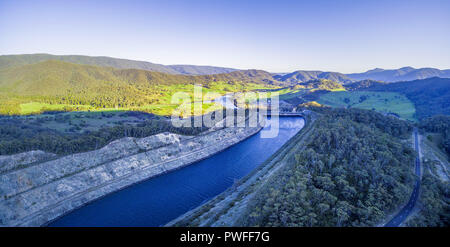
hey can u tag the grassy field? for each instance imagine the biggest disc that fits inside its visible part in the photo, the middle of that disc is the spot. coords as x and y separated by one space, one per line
386 102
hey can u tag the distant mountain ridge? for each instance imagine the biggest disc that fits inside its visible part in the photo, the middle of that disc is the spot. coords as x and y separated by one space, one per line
391 75
7 61
402 74
299 76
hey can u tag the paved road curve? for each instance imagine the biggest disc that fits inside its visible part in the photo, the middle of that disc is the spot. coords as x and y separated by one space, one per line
406 210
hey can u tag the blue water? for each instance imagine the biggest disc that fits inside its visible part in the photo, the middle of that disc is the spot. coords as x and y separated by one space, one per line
158 200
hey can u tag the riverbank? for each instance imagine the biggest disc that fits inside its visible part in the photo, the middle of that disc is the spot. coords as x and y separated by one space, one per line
38 193
224 209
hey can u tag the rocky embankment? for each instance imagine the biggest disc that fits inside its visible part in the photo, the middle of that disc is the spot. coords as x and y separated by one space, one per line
37 187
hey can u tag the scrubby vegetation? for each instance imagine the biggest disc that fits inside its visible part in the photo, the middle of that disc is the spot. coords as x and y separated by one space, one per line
63 133
439 124
374 120
434 202
353 171
67 133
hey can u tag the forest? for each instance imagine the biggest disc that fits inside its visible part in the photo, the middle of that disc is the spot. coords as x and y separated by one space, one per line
72 87
439 124
434 201
17 136
353 171
67 133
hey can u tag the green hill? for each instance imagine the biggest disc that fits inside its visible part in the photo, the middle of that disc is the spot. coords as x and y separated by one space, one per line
80 87
322 84
360 85
199 70
8 61
300 76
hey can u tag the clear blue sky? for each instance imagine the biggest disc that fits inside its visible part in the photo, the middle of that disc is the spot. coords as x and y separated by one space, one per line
278 36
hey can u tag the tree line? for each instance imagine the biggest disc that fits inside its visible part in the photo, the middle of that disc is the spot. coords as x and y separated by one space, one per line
434 201
17 137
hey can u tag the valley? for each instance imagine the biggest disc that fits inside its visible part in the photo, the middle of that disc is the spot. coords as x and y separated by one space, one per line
225 122
80 136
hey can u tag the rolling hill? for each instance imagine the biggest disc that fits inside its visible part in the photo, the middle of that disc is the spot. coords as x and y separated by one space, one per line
199 70
38 82
7 61
304 75
73 85
362 84
322 84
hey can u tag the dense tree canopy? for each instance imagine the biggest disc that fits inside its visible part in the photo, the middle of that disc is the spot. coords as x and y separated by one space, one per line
352 172
434 201
17 137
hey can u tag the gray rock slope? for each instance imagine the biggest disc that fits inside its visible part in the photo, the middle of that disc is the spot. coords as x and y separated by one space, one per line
36 193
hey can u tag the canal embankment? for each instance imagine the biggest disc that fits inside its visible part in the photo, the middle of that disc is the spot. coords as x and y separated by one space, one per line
225 208
39 192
